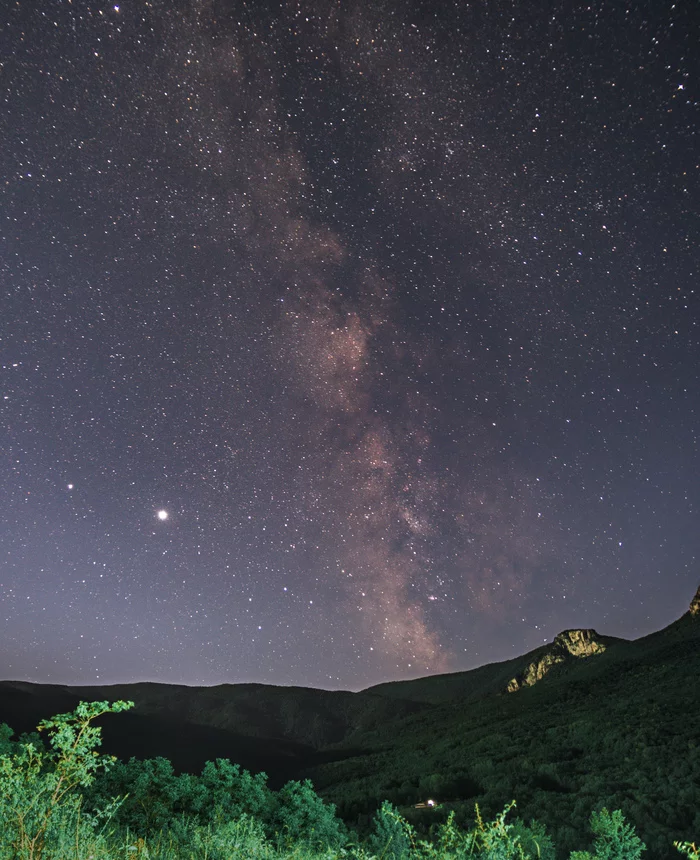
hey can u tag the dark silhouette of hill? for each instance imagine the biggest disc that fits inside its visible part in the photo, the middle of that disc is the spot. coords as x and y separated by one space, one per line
279 730
276 729
591 721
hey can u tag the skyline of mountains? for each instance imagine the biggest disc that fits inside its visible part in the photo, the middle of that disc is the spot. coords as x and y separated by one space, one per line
592 721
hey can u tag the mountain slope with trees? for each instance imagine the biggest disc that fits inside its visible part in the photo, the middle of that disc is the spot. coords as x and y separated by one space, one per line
619 728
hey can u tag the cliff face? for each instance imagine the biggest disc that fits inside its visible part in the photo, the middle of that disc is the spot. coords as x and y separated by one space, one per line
695 604
567 645
579 643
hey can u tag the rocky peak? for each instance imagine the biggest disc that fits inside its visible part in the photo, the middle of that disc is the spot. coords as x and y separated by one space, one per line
568 645
695 604
579 643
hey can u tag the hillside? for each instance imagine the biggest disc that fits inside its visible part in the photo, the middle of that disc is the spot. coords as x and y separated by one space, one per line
276 729
475 684
591 721
620 729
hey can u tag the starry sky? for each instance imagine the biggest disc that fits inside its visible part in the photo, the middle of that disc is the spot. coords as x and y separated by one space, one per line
343 342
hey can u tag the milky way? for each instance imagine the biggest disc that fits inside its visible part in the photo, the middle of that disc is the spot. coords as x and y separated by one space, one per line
343 342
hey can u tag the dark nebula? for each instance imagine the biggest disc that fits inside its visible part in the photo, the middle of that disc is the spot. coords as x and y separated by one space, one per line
343 342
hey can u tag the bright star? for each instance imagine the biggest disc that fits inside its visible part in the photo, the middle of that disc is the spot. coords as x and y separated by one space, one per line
162 515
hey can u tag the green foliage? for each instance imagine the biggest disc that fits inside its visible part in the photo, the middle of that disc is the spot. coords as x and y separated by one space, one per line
52 806
534 838
229 791
615 839
300 815
689 849
619 730
151 789
7 745
39 789
242 839
392 836
155 794
495 840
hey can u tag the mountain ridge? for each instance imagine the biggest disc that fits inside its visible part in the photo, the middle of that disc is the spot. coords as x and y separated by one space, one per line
316 719
618 727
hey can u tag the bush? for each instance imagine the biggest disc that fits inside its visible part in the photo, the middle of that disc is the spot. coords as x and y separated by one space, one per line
230 792
152 793
534 839
615 839
392 836
243 839
40 799
394 839
300 816
156 795
496 840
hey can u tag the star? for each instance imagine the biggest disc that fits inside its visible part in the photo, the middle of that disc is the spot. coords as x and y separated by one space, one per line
366 330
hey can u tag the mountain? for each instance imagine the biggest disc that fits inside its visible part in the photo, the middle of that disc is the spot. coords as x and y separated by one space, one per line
270 728
584 721
494 678
620 728
275 729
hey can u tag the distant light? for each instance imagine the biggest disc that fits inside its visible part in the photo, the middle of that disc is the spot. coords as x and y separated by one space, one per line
70 486
162 515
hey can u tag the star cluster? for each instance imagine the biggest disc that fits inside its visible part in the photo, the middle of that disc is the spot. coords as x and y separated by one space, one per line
343 342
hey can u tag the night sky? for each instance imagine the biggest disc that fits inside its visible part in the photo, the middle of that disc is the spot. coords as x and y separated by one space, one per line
343 342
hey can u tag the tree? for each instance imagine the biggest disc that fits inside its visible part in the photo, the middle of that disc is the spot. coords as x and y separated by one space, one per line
300 815
230 792
534 838
40 795
615 839
153 792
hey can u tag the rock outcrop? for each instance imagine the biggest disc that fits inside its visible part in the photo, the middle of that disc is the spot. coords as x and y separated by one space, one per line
567 645
580 643
695 604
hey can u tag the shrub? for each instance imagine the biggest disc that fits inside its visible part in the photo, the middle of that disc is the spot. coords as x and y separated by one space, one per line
300 816
156 795
243 839
229 792
40 800
534 839
615 839
496 840
392 836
